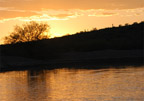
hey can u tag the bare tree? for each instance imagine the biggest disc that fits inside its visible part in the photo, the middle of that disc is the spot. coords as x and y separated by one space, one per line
28 32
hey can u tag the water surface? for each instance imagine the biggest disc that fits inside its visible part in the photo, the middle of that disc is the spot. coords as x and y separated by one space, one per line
109 84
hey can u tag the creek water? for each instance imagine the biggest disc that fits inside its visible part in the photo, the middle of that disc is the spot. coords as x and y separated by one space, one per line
110 84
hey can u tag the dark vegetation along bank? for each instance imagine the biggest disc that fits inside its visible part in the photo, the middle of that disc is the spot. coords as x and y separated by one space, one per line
128 37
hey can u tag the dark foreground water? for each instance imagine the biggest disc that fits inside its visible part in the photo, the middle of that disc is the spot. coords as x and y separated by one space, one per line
123 84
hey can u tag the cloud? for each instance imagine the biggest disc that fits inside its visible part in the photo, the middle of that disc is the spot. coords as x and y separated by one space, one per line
3 8
8 13
108 13
121 12
103 14
67 8
14 14
44 17
72 4
11 12
62 15
34 18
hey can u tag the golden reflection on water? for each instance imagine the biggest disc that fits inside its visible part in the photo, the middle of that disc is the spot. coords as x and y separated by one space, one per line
73 85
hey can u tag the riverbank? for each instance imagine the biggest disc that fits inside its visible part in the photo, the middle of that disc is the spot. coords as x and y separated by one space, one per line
74 59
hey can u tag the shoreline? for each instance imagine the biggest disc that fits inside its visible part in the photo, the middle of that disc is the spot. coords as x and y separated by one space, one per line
72 59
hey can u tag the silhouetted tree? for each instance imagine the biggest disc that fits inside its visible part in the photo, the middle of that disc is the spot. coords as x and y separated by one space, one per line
94 29
28 32
135 23
126 24
120 25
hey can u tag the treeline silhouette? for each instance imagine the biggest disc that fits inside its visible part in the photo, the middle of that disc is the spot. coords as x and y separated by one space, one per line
128 37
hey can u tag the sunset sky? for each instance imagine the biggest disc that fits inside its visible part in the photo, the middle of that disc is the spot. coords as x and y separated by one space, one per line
69 16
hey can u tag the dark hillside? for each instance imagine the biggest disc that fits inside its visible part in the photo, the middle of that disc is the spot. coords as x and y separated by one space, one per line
128 37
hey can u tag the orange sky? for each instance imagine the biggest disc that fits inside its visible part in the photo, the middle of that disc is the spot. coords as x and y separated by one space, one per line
69 16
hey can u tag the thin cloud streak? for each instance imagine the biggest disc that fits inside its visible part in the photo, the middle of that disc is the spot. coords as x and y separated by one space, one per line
46 15
34 18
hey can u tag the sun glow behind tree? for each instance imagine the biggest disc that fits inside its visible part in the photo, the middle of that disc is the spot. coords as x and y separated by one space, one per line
31 31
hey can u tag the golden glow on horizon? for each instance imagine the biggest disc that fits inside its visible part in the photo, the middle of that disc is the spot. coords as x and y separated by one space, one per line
68 17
